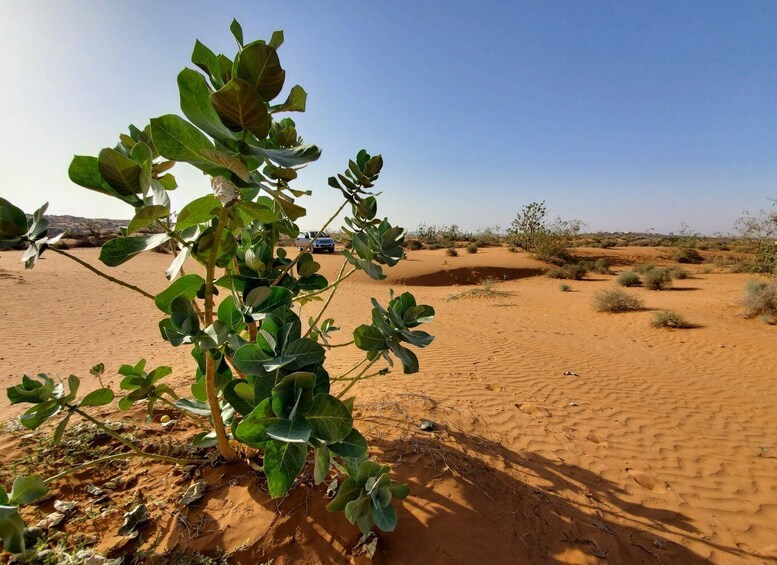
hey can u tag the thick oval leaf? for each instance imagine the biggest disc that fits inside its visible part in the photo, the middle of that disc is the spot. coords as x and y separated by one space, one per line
279 297
258 212
293 431
353 446
282 463
187 286
198 211
230 315
84 171
13 221
291 157
259 66
177 139
240 107
26 490
250 359
121 172
240 395
39 413
146 216
321 467
121 249
369 338
385 517
295 101
196 105
195 407
99 397
349 491
253 428
330 420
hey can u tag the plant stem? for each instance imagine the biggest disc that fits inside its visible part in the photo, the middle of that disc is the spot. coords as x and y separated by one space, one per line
101 274
88 464
301 253
210 365
328 300
124 441
335 283
351 370
330 346
357 378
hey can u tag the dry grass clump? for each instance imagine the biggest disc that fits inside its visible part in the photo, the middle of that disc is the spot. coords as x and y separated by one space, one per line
761 300
413 245
451 252
678 273
600 266
563 287
616 301
472 248
686 255
629 278
643 268
657 279
669 319
486 290
571 271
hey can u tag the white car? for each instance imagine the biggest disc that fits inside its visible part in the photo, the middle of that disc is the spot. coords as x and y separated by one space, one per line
322 241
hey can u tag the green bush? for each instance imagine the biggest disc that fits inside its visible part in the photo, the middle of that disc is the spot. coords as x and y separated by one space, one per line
451 252
629 278
643 268
669 319
572 271
600 266
616 301
564 287
472 248
657 279
414 245
677 273
686 255
761 299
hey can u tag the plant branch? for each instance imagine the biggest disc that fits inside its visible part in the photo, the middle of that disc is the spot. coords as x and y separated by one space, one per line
328 301
101 274
210 365
306 249
323 290
330 346
357 378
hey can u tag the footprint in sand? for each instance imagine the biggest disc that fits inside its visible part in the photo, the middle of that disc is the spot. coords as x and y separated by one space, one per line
646 481
533 410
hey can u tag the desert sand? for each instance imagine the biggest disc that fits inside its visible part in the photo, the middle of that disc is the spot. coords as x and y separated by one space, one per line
660 447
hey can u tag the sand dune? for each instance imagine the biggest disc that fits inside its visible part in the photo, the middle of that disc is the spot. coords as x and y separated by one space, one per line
661 447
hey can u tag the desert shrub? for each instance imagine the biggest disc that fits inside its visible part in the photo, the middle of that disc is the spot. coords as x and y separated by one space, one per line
616 301
472 248
707 269
564 287
686 255
669 319
643 268
600 266
657 279
571 271
742 266
677 273
414 245
451 252
629 278
548 241
760 299
258 374
512 249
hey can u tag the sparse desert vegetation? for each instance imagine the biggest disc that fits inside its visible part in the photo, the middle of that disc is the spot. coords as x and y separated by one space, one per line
616 301
669 319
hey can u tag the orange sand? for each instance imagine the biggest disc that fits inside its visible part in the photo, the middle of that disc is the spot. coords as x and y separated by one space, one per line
661 450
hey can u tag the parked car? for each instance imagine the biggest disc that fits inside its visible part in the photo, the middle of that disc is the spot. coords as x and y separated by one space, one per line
322 241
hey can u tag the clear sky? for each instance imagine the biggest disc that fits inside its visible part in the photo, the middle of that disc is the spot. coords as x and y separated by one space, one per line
626 115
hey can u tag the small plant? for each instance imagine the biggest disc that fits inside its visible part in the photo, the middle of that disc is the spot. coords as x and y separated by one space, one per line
657 279
512 249
414 245
563 287
707 269
629 278
600 266
616 301
761 299
571 271
669 319
451 252
643 268
472 248
25 490
677 273
686 255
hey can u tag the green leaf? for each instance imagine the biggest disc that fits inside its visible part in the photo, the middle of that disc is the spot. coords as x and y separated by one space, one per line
295 102
385 517
293 431
282 463
240 107
232 162
299 354
253 428
237 32
399 490
321 467
122 173
349 491
259 66
230 315
177 139
26 490
11 529
240 395
293 394
147 216
196 105
198 211
205 59
250 359
84 171
99 397
193 406
60 430
353 446
121 249
39 413
258 212
187 286
369 338
356 509
279 297
214 335
13 221
277 39
330 420
292 157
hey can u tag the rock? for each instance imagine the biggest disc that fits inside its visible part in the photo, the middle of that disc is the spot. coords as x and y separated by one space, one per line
573 404
33 535
427 426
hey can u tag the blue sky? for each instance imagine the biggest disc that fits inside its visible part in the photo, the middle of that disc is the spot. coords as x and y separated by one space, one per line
626 115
